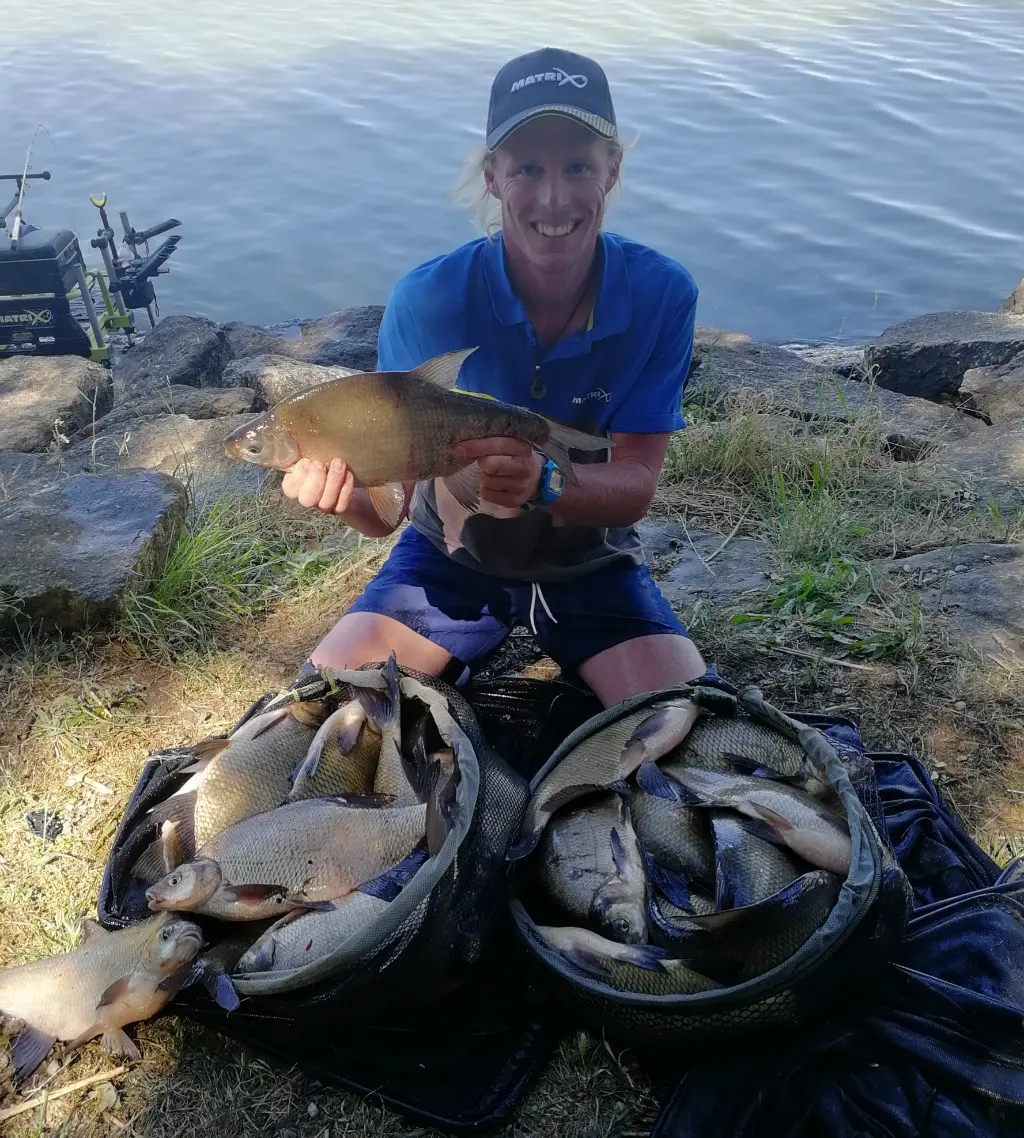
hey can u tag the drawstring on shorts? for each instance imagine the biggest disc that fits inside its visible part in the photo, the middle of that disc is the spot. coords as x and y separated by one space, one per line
536 592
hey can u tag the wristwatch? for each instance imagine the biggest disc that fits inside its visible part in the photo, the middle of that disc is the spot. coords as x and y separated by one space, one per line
552 482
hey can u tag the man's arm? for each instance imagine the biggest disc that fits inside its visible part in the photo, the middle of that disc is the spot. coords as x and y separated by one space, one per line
616 493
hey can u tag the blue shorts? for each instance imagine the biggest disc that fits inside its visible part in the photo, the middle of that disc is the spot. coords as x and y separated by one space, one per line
469 614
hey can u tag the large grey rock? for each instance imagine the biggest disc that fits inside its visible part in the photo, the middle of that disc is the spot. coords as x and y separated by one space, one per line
69 553
347 338
927 356
682 568
996 393
48 396
990 465
178 399
799 387
188 350
1015 301
274 378
192 450
978 587
25 473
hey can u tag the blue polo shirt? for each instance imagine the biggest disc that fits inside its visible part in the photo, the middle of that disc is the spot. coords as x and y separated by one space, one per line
624 372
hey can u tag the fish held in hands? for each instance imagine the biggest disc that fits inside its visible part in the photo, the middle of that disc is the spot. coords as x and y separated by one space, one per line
395 427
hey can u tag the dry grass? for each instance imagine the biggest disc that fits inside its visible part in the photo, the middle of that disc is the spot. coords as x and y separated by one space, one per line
254 585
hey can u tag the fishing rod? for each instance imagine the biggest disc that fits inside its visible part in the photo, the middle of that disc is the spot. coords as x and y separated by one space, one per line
18 201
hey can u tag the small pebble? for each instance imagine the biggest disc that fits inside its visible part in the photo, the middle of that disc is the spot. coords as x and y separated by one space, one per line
287 1134
960 705
985 557
908 569
959 568
52 1067
312 1110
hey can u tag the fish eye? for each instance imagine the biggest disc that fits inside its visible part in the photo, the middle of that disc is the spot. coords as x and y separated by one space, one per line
620 925
165 934
174 879
253 448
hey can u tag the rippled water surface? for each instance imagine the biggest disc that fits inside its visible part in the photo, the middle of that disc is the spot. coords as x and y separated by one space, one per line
824 169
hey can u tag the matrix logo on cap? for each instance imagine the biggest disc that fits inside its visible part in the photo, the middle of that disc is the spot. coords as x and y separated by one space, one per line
557 76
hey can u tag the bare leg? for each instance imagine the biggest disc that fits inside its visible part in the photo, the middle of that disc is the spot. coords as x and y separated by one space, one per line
367 637
644 664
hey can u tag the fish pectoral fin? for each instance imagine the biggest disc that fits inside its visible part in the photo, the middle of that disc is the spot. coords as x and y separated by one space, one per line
299 901
30 1048
464 486
310 713
114 992
115 1042
653 779
179 809
443 371
760 828
180 978
389 502
618 851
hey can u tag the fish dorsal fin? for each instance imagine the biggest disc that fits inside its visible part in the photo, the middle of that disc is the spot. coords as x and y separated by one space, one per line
93 931
443 371
114 992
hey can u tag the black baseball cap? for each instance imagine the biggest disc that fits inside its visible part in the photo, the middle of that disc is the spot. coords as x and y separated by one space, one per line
549 82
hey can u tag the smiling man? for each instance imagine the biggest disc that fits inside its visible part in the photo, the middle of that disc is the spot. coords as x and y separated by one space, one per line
580 325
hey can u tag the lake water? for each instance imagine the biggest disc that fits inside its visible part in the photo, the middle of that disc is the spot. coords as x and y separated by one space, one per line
824 169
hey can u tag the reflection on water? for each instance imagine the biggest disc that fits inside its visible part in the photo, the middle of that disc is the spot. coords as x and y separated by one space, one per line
824 169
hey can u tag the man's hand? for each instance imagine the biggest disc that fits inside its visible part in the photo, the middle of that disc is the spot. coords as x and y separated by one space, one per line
510 470
327 488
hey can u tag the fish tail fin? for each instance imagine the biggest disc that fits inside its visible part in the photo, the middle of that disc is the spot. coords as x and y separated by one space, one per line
382 707
30 1048
423 773
562 439
674 886
388 885
652 778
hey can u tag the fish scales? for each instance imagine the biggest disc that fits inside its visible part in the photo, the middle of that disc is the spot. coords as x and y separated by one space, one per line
340 770
747 868
777 812
716 737
391 428
740 944
290 944
316 846
630 968
675 834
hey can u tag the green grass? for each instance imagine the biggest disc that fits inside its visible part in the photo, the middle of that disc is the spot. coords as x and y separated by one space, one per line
237 558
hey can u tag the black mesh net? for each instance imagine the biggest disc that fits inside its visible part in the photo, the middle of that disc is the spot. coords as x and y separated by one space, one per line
844 965
442 986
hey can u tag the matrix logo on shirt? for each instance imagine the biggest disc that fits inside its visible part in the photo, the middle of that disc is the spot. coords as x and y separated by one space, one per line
557 76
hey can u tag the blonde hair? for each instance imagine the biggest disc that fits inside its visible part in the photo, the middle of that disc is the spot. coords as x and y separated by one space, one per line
484 208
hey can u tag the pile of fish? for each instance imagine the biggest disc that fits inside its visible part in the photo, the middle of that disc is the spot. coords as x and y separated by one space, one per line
292 834
675 852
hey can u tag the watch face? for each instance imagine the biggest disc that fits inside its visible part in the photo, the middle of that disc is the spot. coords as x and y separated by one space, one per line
556 481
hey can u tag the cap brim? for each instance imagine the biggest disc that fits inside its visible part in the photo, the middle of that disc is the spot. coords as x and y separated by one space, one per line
596 123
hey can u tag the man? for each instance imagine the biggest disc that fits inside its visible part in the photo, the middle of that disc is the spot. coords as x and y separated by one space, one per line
582 326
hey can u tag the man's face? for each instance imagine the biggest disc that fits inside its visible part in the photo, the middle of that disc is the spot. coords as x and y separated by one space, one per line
551 177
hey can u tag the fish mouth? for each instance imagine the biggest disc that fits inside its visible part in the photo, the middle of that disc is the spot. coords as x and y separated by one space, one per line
560 231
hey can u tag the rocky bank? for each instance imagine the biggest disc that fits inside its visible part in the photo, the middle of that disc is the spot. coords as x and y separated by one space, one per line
94 462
